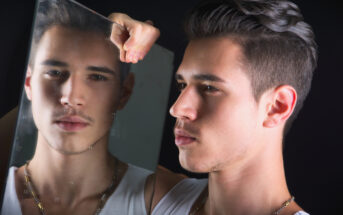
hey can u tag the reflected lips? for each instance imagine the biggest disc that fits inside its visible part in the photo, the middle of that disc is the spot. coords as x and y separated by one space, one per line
182 138
71 123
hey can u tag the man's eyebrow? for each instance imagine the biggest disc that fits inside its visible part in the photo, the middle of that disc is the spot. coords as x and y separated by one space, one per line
202 77
101 69
53 62
207 77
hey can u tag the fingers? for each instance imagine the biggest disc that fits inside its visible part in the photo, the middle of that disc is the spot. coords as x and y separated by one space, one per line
118 36
123 56
133 38
142 37
135 48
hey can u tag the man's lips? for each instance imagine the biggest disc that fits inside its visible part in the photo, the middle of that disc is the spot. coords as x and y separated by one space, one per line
182 137
71 123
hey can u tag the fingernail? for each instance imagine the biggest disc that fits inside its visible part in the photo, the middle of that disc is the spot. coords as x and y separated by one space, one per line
129 57
137 58
141 56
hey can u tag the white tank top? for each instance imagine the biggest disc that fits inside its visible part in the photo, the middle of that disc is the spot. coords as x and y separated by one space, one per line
180 199
127 199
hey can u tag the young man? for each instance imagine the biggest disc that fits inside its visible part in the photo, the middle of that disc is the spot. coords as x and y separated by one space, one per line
75 83
244 77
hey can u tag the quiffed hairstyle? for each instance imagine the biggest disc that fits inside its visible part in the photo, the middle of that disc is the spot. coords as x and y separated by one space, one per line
69 14
278 46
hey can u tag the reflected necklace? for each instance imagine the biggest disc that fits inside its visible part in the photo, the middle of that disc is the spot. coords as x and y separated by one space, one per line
201 205
102 200
285 204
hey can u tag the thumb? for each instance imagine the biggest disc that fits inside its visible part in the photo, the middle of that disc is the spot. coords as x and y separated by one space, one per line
119 36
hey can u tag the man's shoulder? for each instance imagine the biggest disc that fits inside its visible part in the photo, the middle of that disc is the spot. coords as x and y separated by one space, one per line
166 179
160 183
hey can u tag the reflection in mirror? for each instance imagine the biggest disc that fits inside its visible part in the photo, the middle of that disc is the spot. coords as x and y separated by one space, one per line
67 158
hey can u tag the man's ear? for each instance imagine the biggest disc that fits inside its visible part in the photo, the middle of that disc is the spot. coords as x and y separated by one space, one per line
126 90
27 83
280 106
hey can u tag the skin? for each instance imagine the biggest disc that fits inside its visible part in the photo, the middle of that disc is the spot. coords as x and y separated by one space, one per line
133 38
222 130
74 74
70 89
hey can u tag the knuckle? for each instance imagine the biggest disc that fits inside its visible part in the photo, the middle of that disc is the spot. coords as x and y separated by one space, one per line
151 30
118 17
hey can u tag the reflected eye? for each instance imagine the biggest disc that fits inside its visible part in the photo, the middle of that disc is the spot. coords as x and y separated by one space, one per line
97 77
54 73
181 86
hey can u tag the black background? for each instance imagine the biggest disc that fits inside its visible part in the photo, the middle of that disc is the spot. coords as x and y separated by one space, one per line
313 147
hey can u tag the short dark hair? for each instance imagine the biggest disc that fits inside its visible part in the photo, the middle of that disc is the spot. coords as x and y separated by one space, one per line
69 14
278 46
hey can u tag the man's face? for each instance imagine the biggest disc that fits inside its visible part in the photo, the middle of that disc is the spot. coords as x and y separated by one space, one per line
218 119
74 86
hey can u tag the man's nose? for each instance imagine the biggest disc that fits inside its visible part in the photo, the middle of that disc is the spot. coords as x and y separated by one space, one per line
186 105
73 92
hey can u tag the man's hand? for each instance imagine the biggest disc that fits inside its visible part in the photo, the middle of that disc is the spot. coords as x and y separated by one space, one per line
133 38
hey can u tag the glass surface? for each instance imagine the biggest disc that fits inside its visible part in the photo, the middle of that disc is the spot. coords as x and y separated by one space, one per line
137 130
75 91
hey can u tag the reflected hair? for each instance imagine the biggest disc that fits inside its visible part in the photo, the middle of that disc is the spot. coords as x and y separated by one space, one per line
278 47
70 14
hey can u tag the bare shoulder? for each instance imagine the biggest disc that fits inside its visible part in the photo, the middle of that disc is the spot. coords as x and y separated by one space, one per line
166 179
160 183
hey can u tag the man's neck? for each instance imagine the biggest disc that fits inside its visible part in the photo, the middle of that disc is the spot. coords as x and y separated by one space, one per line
71 178
257 186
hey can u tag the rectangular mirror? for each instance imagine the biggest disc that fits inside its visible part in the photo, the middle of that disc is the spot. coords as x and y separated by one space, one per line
85 118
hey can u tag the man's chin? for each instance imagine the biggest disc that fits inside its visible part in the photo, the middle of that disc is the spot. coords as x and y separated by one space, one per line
193 165
69 147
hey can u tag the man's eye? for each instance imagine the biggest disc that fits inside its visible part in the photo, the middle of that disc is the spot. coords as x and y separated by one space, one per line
181 86
209 89
96 77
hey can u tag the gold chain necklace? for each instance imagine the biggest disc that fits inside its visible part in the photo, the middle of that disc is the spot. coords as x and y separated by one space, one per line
102 200
285 204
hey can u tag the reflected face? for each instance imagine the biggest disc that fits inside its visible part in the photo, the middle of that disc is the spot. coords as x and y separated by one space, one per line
217 115
74 87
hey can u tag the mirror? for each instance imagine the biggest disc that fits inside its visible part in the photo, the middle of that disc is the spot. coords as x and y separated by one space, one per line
85 117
